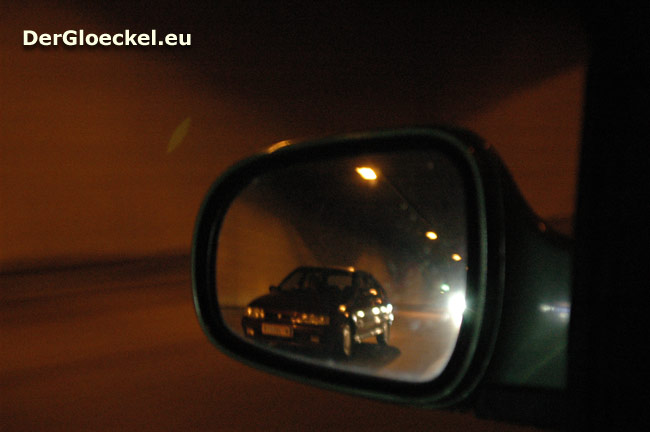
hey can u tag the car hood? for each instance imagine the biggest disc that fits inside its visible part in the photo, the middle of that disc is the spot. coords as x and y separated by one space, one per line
298 301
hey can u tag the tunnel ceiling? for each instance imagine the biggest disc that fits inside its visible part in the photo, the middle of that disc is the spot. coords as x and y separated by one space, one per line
415 193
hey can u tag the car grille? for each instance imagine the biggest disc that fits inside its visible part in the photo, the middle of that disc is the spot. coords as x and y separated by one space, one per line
280 317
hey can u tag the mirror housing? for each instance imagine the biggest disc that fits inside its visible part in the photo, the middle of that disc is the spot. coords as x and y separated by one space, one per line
503 231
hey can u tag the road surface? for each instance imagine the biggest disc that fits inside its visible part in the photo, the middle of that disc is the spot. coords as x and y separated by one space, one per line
118 347
421 343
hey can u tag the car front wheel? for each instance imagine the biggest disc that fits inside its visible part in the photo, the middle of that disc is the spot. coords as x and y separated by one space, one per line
384 336
345 341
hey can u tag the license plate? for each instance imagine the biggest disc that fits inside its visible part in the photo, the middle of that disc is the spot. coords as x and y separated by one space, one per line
277 330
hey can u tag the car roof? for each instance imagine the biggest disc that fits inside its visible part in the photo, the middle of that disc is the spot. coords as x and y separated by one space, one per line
333 269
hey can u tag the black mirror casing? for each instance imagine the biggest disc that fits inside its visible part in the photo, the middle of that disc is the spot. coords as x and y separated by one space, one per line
477 334
490 193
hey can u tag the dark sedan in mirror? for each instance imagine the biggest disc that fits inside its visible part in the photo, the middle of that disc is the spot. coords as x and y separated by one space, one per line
321 307
384 254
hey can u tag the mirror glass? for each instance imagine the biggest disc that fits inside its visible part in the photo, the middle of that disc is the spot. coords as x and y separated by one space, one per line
356 263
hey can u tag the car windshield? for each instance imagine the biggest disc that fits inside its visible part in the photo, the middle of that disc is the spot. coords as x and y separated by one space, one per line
317 280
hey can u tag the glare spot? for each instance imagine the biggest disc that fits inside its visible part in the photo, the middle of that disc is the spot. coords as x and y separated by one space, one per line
456 307
367 173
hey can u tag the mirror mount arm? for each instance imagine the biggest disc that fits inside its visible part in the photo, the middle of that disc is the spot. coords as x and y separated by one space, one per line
526 380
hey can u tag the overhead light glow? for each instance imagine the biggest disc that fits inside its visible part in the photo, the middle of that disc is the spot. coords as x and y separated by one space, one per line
367 173
456 257
431 235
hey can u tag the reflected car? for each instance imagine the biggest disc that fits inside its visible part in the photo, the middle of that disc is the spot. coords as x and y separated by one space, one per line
319 307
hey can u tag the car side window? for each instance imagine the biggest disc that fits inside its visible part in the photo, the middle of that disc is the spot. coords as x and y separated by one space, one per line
313 281
340 281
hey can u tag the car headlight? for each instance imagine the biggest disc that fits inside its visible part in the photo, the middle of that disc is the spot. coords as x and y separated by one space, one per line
311 319
255 312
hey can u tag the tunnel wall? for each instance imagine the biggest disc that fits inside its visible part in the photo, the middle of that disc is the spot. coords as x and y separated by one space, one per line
258 249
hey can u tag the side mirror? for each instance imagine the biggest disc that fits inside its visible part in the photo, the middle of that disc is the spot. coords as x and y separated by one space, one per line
409 236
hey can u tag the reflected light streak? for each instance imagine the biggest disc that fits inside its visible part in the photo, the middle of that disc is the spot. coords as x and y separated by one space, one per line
278 146
561 310
456 307
179 135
